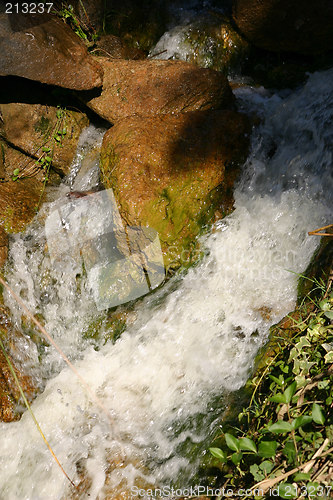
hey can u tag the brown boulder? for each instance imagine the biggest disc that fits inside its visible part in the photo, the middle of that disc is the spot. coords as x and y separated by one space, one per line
297 26
211 41
139 24
153 87
41 47
175 173
30 127
18 202
112 46
13 159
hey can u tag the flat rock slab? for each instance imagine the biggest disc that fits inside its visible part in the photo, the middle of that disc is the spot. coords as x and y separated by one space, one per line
41 47
153 87
175 173
30 127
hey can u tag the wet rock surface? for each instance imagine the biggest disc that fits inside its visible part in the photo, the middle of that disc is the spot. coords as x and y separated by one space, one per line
286 25
139 24
3 246
41 47
209 42
18 203
175 173
10 398
14 159
30 127
112 46
154 87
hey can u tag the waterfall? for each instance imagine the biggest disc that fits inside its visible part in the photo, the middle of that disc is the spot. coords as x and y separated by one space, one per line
193 341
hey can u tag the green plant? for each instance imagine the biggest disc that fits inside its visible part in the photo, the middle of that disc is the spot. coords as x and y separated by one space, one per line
83 29
286 432
44 154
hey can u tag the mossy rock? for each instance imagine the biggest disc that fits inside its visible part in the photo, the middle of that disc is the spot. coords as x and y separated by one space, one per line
211 42
175 174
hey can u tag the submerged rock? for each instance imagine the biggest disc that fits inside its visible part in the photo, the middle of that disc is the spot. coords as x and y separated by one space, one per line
210 42
32 127
175 173
286 25
154 87
41 47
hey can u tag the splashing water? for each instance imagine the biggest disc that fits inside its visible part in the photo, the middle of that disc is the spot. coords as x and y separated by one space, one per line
192 342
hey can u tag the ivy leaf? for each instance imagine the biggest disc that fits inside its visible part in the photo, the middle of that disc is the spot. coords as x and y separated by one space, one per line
302 476
325 305
290 391
300 421
267 449
280 427
322 384
257 474
303 342
278 398
218 453
247 444
287 490
317 414
276 380
289 451
300 381
329 314
232 442
236 457
329 357
266 466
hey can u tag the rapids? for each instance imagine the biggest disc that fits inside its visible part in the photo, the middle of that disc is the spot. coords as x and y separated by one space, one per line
193 341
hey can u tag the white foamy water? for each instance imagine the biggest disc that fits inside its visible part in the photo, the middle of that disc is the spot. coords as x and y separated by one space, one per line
191 343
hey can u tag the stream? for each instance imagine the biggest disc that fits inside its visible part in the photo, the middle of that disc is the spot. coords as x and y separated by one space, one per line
192 342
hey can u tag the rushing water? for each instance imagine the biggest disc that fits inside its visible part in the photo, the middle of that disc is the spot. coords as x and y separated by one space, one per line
193 341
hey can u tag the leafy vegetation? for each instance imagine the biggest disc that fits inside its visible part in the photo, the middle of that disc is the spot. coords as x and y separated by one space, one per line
53 137
83 29
285 435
